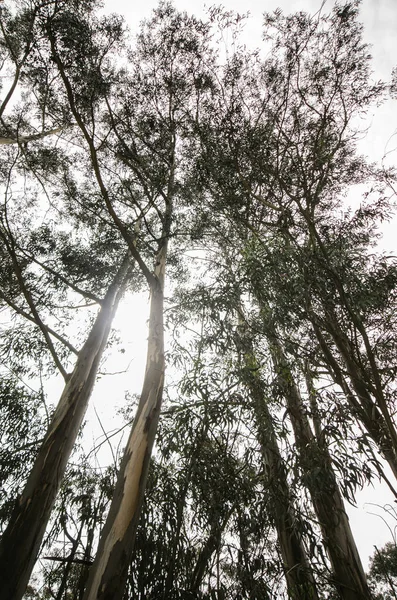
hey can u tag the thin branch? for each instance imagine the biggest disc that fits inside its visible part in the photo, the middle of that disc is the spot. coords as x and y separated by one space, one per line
64 280
24 139
31 318
68 559
10 245
95 164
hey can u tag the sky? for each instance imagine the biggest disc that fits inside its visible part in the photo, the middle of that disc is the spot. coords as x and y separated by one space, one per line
380 30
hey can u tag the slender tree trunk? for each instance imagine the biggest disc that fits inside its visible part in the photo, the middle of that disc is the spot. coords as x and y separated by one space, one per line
298 573
363 370
69 564
20 543
212 544
364 408
349 577
108 574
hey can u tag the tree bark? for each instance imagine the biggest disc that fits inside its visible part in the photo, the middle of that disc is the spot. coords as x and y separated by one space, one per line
108 575
298 573
20 543
348 573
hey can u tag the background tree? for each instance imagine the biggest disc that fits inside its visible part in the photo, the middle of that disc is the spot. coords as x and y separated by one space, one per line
382 572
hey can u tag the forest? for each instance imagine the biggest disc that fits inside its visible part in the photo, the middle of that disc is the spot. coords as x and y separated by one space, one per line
229 186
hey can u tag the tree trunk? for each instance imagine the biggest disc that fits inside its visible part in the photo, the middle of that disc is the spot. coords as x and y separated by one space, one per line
20 543
212 544
299 576
108 574
349 577
361 402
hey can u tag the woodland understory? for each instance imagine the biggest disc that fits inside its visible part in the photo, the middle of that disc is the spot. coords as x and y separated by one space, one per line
228 186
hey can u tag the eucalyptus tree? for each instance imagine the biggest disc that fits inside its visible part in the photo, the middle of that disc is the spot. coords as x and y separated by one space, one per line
275 149
225 514
261 352
230 337
46 269
279 156
135 128
200 516
316 464
130 130
298 571
69 543
192 499
282 146
22 538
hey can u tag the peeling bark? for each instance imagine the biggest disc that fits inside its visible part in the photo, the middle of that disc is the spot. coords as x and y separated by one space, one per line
109 572
20 543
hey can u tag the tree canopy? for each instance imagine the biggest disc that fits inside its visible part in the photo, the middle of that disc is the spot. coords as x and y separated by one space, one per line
227 184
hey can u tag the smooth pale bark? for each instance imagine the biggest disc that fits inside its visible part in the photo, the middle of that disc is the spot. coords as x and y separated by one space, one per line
348 573
298 573
20 543
108 574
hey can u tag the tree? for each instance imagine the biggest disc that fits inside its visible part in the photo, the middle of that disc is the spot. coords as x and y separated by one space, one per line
382 572
282 145
270 175
29 262
142 143
249 160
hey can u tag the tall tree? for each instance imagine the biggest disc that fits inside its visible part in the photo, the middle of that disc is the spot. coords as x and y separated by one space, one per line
35 262
250 159
298 572
282 139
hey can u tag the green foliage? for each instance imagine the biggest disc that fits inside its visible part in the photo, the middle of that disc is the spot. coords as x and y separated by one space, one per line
242 163
383 572
22 427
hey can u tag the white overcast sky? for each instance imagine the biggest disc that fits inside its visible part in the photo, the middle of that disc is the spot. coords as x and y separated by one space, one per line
380 22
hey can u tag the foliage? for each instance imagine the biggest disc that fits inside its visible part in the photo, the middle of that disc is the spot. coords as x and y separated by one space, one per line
230 172
383 572
22 421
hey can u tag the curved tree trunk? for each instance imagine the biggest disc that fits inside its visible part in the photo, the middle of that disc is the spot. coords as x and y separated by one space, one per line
348 573
20 543
108 574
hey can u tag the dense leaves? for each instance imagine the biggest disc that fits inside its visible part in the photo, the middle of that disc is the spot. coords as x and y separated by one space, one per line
228 185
